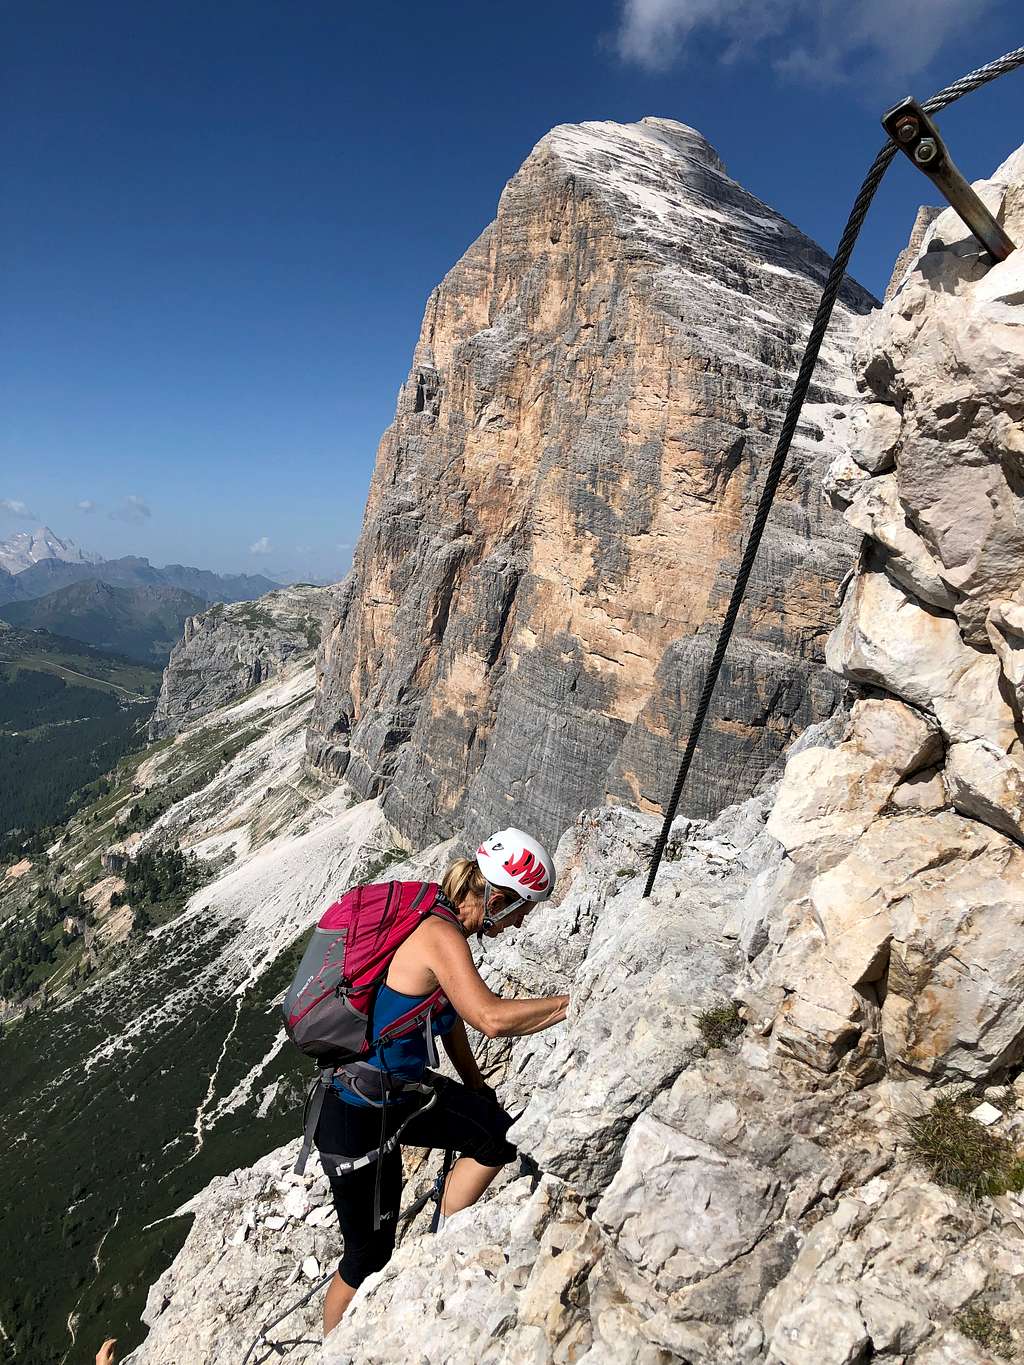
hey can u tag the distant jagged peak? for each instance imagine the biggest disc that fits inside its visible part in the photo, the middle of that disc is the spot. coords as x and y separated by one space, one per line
25 548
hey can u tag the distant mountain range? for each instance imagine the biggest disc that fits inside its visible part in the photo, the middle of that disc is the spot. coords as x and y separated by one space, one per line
26 572
126 606
132 572
141 623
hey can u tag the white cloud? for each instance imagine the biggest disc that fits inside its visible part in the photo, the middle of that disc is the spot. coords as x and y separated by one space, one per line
343 546
820 41
17 508
87 505
261 547
132 509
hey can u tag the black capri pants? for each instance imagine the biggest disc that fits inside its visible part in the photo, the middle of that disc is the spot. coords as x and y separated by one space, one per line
464 1121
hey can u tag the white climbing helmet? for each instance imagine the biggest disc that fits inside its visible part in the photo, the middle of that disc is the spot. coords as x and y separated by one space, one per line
516 862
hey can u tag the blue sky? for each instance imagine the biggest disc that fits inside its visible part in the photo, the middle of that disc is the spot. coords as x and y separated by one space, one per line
222 221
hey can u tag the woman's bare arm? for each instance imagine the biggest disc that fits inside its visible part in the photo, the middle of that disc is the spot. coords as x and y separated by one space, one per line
460 1054
447 954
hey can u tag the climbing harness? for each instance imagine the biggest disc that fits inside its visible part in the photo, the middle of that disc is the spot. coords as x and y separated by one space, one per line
344 1165
919 138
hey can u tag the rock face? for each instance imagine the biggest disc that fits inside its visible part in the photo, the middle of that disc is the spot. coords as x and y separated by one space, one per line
249 1225
891 926
555 512
232 648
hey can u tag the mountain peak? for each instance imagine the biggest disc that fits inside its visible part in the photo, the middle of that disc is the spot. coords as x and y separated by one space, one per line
25 548
659 145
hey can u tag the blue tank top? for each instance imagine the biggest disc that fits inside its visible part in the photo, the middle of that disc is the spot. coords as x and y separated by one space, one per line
404 1058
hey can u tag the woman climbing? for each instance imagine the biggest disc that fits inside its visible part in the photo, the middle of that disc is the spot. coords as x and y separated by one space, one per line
368 1104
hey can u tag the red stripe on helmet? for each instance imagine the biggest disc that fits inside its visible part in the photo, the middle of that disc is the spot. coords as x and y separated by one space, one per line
527 870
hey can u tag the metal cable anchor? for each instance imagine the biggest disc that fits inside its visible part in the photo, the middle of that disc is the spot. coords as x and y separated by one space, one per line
916 135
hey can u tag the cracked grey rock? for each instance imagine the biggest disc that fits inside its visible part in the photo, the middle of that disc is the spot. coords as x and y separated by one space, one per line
230 649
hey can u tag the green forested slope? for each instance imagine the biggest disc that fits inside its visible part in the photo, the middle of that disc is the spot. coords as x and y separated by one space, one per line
67 714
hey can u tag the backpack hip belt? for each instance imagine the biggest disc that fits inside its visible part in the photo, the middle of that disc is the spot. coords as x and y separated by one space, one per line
335 1164
371 1084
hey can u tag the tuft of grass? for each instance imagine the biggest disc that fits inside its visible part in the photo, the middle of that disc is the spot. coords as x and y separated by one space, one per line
961 1153
720 1024
981 1325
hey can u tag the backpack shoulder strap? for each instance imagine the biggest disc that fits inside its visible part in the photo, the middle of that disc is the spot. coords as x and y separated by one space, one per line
421 895
443 908
432 900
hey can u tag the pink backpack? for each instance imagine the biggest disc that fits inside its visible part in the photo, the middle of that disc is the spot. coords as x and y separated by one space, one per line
328 1007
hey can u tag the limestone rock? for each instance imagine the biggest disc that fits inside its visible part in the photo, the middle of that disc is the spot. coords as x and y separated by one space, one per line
889 640
875 434
211 1301
829 795
557 508
949 342
843 478
892 915
229 649
634 994
875 509
1005 627
907 259
870 1279
923 791
680 1210
987 783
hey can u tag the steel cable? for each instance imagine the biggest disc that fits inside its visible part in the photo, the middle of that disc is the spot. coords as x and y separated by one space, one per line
972 81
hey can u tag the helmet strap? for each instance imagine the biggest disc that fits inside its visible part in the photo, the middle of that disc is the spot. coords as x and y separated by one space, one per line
491 920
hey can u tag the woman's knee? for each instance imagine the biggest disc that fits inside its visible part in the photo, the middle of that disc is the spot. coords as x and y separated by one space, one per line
490 1145
359 1261
495 1151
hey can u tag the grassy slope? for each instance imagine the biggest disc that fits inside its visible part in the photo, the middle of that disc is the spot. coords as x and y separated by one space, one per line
106 1158
96 1154
45 652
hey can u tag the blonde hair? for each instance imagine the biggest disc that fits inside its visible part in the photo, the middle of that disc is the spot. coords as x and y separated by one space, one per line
462 879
